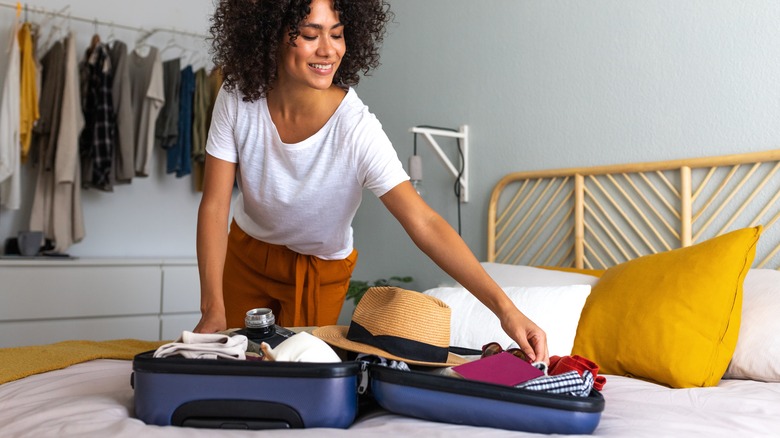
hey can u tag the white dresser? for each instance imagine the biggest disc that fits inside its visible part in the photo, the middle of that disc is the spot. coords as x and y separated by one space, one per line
50 300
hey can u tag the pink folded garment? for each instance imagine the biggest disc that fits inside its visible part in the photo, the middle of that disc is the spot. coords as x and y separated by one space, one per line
502 369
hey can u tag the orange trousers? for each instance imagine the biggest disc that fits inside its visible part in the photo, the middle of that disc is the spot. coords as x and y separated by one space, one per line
301 290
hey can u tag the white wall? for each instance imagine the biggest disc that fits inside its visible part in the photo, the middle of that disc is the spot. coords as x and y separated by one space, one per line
541 83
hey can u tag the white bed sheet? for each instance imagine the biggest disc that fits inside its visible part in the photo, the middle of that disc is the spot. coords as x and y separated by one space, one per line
94 399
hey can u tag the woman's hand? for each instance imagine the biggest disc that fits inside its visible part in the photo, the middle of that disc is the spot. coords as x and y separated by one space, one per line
529 337
211 323
436 238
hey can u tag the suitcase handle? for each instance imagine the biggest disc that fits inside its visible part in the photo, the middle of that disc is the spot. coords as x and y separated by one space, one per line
236 414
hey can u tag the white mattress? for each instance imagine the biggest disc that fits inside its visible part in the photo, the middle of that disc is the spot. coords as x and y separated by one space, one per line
95 399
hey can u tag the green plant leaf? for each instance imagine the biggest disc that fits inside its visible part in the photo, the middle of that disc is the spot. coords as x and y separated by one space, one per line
358 288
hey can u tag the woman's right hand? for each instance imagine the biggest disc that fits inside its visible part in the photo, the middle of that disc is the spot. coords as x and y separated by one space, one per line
211 323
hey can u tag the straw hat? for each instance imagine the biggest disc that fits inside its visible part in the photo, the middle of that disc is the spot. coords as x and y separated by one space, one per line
397 324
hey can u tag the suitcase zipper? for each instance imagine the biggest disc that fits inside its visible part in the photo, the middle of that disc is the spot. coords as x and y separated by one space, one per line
363 379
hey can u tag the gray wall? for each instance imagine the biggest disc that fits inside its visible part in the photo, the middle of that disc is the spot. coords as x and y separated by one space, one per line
550 84
540 83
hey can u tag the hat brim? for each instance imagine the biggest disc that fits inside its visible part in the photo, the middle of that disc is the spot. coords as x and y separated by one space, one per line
336 335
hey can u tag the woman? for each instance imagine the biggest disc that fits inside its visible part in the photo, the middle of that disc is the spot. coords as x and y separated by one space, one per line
288 127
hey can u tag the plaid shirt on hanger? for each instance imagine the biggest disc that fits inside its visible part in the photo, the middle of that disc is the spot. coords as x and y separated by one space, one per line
96 143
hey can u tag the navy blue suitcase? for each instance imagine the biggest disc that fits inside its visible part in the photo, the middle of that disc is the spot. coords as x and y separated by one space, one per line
230 394
459 401
263 395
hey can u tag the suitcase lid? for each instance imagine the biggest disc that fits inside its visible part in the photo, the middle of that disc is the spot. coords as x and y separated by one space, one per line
453 385
146 362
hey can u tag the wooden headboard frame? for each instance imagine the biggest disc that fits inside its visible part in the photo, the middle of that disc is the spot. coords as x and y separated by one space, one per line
596 217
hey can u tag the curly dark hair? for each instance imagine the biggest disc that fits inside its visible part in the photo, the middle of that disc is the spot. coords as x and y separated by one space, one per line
246 35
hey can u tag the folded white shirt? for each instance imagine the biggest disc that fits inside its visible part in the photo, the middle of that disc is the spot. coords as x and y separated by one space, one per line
205 346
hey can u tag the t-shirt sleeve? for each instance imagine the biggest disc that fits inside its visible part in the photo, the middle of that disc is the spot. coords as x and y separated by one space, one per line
379 168
221 142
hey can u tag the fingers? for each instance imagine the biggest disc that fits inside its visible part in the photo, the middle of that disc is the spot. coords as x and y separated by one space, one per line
530 338
538 342
206 326
528 350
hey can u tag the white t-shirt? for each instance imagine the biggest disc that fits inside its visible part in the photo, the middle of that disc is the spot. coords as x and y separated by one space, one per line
303 195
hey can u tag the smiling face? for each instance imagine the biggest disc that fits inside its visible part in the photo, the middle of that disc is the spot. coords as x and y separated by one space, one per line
317 52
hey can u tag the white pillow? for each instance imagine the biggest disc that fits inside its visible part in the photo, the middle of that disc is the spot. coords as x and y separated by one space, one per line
757 356
527 276
556 309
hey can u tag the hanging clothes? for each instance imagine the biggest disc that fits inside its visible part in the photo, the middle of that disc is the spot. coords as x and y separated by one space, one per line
10 181
167 129
200 104
213 84
29 111
148 97
124 140
57 209
96 142
180 155
44 143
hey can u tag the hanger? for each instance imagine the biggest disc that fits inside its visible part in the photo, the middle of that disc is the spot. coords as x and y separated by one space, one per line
17 16
141 42
12 41
111 37
54 30
174 44
95 37
194 59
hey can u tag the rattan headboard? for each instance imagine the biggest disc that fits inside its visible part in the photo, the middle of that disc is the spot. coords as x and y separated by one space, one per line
596 217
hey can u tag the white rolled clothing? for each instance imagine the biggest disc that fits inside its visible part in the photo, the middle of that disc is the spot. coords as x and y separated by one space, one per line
302 347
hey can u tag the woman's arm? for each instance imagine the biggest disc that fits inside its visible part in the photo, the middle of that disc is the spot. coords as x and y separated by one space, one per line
213 215
436 238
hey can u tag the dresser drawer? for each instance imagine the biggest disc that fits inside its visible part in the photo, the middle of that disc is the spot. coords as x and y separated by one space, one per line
21 333
33 292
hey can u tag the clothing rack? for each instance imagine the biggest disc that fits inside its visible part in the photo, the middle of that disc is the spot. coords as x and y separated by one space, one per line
65 13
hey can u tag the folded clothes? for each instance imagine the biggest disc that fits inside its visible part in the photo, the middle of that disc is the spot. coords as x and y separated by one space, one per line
381 361
301 347
570 382
560 365
205 346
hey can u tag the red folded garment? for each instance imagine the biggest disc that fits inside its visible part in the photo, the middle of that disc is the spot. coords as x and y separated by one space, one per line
560 365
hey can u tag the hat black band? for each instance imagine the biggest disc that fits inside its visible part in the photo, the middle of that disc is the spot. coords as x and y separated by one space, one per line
397 346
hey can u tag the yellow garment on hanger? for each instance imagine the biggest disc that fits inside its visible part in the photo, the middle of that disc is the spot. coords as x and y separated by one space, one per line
29 111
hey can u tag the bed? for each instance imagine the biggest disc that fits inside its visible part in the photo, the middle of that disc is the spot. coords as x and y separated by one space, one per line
559 241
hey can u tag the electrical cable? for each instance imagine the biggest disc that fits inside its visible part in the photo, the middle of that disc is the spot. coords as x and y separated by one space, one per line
457 182
457 188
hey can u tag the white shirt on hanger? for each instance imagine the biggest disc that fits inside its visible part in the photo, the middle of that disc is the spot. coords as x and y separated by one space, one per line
10 149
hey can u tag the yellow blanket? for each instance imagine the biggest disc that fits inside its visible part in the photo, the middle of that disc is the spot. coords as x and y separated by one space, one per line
19 362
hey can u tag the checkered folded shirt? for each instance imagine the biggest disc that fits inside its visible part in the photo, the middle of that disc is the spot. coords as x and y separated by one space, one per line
569 382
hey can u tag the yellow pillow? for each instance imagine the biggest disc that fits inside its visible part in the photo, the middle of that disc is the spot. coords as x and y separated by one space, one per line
672 317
